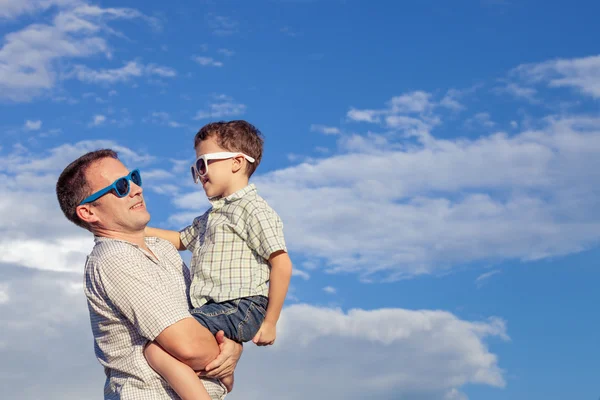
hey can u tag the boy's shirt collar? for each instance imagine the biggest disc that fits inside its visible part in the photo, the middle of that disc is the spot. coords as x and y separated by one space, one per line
220 202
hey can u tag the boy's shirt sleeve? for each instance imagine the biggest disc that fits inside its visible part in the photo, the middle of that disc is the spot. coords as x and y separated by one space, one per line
264 231
189 235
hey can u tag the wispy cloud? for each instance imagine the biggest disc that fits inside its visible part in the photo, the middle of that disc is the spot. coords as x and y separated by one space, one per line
222 25
483 278
29 57
300 273
164 118
480 119
519 92
226 108
226 52
14 8
329 289
582 74
98 120
130 70
32 125
207 61
327 130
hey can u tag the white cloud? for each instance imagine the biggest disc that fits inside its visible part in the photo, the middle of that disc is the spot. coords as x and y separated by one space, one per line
329 289
165 72
410 112
403 354
98 120
582 74
423 208
14 8
483 278
327 130
4 296
520 92
450 100
163 118
413 102
301 274
479 120
226 52
363 115
33 125
29 58
222 110
130 70
221 25
207 61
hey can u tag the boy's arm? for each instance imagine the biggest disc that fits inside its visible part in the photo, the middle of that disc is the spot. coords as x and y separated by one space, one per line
281 273
172 236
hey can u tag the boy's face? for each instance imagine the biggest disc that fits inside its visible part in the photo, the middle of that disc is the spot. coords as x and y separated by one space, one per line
219 181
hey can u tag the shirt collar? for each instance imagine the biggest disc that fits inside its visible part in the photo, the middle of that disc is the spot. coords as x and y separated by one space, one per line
150 241
220 202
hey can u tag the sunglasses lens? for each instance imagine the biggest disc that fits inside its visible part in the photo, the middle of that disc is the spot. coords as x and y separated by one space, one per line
122 186
136 178
201 166
194 176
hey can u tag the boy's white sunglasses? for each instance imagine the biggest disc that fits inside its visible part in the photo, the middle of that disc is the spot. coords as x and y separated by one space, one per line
200 167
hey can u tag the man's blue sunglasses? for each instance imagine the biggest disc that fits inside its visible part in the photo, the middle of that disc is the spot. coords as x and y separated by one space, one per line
120 187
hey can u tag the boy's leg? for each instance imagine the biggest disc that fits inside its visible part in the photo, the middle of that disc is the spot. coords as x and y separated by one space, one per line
239 319
180 376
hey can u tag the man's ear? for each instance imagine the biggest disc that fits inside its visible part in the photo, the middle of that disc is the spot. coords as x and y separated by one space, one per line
86 213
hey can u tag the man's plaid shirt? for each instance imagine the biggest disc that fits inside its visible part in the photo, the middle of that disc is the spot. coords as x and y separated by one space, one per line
231 244
132 297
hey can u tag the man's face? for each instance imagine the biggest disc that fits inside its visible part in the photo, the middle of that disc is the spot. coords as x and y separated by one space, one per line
119 215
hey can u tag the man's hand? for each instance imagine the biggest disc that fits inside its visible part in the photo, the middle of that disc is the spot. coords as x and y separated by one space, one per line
266 334
226 361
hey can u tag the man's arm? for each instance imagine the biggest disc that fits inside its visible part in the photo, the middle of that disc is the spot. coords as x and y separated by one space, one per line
189 342
281 272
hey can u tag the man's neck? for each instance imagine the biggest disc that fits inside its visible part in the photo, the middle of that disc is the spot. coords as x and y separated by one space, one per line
136 238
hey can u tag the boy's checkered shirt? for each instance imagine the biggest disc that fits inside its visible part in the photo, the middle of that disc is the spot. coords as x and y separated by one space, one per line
231 244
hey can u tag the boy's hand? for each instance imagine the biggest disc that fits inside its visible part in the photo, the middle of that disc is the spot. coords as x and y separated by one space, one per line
266 334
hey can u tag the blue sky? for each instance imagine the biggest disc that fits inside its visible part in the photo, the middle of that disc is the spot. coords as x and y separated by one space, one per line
435 166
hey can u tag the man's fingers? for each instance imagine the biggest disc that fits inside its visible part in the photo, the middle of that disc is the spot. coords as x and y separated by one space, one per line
256 338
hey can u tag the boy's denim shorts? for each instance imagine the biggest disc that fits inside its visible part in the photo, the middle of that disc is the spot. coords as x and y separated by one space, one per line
240 319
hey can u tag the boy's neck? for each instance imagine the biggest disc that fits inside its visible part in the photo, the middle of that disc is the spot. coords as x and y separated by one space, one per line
235 186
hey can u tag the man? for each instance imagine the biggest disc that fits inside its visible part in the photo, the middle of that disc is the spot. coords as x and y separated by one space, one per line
136 287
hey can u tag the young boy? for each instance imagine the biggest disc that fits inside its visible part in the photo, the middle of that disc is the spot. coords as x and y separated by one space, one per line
238 247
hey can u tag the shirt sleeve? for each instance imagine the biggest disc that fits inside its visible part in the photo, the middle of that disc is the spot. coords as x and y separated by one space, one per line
264 231
150 304
189 235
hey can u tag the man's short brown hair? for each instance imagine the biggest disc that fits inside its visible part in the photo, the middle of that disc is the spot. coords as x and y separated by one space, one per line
235 136
72 186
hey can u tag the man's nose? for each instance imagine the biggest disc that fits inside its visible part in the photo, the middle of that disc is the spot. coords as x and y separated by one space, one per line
134 190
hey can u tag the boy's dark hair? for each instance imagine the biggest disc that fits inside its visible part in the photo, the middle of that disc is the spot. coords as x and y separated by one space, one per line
235 136
72 186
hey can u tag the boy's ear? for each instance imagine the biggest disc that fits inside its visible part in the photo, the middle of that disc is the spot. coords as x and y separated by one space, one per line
238 163
86 213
